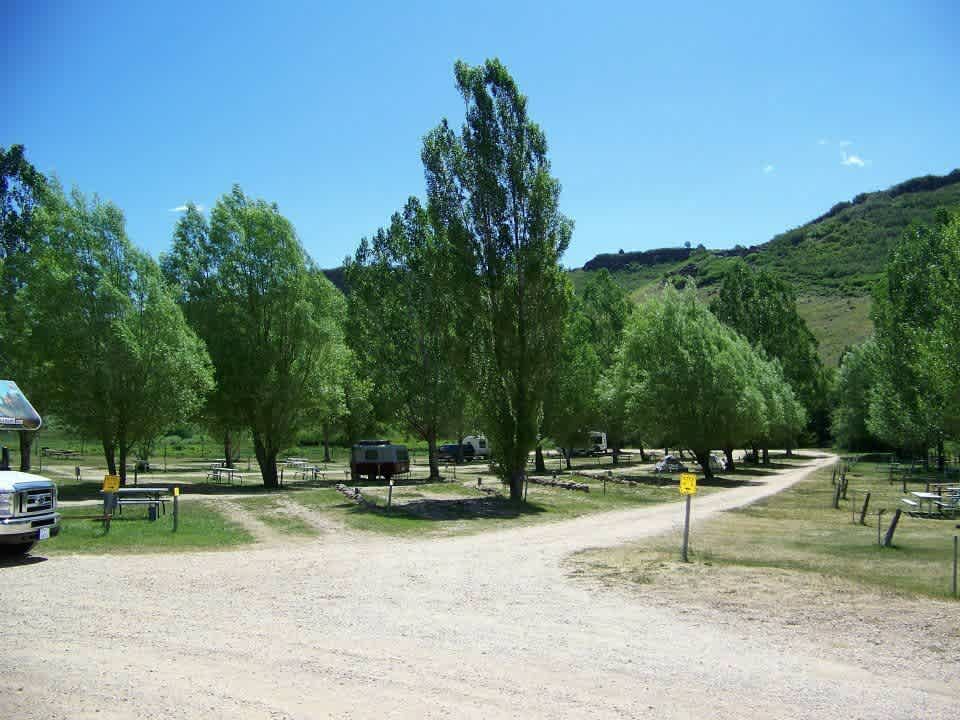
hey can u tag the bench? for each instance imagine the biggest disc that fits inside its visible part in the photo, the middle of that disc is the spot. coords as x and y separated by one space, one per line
912 504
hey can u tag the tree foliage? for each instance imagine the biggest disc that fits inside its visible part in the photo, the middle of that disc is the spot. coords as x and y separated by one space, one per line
272 320
401 326
491 190
119 358
763 308
690 381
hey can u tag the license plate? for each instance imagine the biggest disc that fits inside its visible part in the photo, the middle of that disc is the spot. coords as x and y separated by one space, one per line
44 534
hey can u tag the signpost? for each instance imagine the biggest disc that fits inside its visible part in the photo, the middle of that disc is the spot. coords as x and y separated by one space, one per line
111 483
176 507
688 488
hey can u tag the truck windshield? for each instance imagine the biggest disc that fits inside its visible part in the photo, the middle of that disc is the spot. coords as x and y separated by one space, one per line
16 412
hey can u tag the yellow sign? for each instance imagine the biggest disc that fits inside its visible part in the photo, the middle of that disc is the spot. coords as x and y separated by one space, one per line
111 483
688 484
176 491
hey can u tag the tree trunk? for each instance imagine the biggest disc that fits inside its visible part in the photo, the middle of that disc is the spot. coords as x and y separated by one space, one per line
516 485
728 451
540 465
228 449
110 455
566 456
267 460
643 454
432 453
122 447
766 455
703 457
326 443
616 454
26 442
940 458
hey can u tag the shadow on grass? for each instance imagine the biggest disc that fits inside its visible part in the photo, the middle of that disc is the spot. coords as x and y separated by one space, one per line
454 509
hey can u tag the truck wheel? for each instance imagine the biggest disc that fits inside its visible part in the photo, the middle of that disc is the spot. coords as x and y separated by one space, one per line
15 549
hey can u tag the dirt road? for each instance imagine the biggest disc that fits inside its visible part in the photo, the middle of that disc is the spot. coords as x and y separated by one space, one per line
363 626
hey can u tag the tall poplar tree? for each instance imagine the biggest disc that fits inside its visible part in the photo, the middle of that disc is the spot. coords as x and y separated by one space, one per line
490 187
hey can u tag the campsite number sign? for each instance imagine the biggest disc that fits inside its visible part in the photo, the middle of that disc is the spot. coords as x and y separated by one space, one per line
688 484
688 488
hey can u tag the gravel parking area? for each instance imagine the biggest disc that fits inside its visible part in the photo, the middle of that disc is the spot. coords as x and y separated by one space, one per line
354 625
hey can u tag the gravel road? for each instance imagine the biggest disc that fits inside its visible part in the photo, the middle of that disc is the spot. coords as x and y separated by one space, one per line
355 626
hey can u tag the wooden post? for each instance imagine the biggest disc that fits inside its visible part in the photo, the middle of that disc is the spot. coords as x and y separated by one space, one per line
955 565
888 538
176 508
880 513
836 496
833 478
863 510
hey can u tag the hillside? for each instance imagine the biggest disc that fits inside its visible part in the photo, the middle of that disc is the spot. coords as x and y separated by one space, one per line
833 261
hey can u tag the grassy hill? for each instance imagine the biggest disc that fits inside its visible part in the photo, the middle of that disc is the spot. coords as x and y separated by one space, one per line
832 261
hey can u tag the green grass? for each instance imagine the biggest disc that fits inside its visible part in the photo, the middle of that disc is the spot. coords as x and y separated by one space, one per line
201 527
799 530
459 508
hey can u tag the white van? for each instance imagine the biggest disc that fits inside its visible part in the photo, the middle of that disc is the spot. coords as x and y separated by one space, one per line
481 448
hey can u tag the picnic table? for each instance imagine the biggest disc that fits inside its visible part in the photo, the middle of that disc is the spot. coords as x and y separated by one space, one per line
946 504
224 474
149 496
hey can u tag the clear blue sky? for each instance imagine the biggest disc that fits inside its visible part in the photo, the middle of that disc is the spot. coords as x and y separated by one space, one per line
719 123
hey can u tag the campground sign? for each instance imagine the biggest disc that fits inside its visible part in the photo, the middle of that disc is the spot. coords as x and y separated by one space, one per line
688 484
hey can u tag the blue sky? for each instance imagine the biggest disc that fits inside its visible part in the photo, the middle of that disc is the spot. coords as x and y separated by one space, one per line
713 123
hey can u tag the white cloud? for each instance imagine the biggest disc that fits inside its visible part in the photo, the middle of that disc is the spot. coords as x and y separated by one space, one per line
767 169
852 161
846 143
183 208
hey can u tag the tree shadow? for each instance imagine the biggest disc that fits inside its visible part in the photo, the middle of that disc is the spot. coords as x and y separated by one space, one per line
441 510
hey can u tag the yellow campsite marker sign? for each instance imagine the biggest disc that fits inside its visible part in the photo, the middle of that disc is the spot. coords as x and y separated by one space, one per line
111 483
688 484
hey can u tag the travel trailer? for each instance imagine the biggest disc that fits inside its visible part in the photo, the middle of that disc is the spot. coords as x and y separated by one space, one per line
378 458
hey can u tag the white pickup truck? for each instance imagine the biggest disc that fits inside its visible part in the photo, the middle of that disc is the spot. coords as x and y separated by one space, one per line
28 511
28 503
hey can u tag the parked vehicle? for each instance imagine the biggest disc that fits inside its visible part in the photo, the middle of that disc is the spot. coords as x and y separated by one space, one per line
479 445
670 464
594 443
454 451
28 503
378 458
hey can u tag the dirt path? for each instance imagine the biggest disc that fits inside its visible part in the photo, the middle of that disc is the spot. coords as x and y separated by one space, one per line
363 626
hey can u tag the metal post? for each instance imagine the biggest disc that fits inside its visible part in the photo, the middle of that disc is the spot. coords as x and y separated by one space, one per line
390 494
686 529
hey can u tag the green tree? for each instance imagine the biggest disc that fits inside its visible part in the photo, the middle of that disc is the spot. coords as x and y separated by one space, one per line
687 378
401 326
570 407
855 381
121 360
271 318
763 308
21 190
491 190
910 404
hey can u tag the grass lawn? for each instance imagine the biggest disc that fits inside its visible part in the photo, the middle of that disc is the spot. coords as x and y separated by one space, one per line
799 530
200 527
459 507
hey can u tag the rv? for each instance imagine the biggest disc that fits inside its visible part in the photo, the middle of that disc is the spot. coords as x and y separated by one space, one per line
28 503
